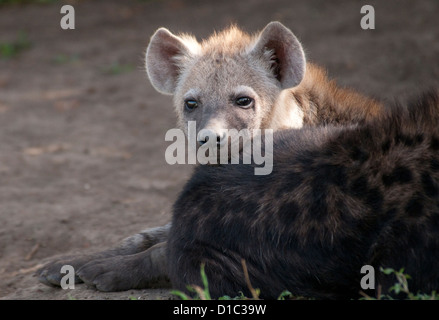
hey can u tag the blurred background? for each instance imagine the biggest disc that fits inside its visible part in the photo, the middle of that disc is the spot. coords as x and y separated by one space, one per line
82 131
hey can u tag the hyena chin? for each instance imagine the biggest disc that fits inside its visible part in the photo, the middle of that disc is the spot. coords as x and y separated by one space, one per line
230 81
338 198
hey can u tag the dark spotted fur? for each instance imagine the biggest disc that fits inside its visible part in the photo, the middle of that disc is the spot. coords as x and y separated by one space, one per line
338 198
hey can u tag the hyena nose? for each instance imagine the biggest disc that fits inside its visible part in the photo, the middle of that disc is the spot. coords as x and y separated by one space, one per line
220 138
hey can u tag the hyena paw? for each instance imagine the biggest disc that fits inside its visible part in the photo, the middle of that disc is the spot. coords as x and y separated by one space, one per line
50 274
110 274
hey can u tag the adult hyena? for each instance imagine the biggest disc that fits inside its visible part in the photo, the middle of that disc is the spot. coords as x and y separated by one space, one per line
230 81
338 198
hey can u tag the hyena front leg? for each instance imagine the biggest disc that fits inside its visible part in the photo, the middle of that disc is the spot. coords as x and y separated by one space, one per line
145 269
50 273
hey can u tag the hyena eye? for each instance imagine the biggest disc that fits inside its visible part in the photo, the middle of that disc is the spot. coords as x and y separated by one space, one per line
244 102
190 104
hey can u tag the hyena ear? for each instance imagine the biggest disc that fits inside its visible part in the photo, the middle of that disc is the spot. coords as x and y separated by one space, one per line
163 55
285 54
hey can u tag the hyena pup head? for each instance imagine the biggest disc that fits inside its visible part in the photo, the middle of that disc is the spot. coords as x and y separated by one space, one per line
230 81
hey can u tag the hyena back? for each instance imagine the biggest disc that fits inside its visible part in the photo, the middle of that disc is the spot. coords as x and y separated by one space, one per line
337 199
230 81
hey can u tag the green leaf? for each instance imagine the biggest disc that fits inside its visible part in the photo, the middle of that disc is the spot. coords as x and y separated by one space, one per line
284 294
387 271
181 295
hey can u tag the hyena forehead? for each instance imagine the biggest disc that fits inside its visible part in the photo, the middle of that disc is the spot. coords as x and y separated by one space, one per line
227 60
224 78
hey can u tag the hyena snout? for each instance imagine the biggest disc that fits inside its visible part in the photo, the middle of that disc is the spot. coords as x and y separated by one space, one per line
206 134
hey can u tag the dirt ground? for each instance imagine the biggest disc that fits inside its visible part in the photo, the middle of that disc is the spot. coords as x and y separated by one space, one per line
82 131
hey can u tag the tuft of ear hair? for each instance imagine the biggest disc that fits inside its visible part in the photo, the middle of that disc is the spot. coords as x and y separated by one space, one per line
285 53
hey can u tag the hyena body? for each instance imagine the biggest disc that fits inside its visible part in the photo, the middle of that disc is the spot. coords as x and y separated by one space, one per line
337 199
230 81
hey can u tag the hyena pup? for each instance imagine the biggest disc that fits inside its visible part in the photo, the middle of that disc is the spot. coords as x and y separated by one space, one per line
232 80
338 198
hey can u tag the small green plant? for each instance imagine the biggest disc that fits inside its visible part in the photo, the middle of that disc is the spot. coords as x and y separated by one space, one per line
204 294
11 49
201 293
69 297
402 278
400 287
64 58
117 68
284 295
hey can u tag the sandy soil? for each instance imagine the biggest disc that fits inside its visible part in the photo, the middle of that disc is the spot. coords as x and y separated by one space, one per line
82 131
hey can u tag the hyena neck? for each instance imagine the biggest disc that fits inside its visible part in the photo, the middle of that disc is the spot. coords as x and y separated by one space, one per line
318 101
